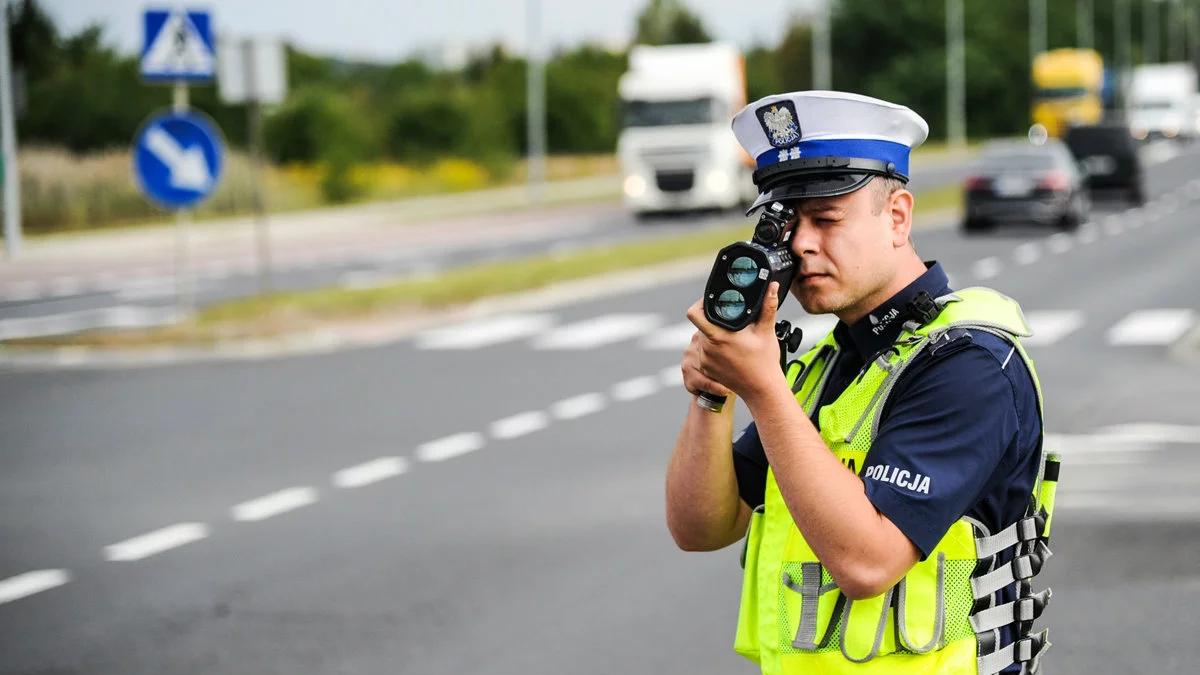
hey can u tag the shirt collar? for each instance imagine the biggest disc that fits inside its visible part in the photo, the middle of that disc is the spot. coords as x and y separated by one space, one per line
880 327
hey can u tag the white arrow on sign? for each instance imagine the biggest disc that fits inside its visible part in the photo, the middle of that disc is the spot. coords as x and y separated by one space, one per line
189 169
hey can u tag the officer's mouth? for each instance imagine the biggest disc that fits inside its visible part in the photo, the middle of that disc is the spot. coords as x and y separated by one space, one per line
810 278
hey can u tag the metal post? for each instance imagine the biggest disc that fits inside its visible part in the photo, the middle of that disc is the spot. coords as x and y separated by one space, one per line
1150 21
822 49
12 178
184 292
1037 29
536 100
254 131
956 99
1174 24
1122 37
1085 33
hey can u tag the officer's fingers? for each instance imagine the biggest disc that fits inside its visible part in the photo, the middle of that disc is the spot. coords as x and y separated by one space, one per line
770 305
695 314
695 382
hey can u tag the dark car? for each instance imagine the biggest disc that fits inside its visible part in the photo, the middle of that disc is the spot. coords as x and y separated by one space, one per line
1021 183
1108 156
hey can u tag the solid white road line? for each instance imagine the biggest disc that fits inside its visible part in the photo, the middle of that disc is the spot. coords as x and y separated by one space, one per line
1058 243
153 543
599 331
24 585
66 286
1027 253
987 268
676 337
364 279
485 332
1113 225
450 447
370 472
638 387
123 316
1151 327
578 406
1050 326
519 424
274 504
21 291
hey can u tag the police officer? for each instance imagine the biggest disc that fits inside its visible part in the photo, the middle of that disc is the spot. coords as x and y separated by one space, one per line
892 489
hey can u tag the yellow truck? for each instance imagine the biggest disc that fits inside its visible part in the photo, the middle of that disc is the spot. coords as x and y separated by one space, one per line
1068 89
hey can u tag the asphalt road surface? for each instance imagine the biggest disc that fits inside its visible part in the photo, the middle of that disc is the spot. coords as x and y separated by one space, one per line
488 498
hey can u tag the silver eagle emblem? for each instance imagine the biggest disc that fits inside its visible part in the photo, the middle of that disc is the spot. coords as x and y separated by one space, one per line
781 126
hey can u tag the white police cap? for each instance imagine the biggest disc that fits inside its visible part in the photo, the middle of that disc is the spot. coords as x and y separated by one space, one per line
825 143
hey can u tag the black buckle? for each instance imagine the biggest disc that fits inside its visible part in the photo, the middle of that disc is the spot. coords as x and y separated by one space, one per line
1026 649
1032 560
923 308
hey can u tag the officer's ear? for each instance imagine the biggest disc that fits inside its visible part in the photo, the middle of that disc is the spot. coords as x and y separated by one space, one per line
899 210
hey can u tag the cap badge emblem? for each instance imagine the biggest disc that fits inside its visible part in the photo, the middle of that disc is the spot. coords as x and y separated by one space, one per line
779 122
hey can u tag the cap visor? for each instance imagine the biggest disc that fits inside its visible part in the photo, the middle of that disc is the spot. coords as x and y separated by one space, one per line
826 186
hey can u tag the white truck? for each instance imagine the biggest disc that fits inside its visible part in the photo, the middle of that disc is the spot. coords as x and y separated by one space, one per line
1162 102
676 148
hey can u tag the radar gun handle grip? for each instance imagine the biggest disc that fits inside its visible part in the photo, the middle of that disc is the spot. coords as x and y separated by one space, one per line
710 402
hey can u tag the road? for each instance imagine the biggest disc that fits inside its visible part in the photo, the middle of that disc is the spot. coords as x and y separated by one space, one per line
488 498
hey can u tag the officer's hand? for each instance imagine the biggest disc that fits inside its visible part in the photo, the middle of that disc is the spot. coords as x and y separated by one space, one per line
745 361
694 380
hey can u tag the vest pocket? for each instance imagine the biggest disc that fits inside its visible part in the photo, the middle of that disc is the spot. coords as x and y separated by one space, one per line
1049 488
921 606
745 641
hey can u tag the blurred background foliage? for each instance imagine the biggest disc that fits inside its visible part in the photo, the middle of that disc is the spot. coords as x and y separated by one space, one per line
344 120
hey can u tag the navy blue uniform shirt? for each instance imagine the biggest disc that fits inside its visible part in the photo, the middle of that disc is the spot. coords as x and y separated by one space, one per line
964 414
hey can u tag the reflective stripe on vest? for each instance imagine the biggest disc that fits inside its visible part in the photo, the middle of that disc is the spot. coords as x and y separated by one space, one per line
940 617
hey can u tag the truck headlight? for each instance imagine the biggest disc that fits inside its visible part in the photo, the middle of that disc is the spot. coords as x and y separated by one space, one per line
1170 132
716 181
1139 134
635 186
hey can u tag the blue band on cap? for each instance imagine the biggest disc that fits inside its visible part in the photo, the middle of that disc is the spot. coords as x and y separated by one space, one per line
884 151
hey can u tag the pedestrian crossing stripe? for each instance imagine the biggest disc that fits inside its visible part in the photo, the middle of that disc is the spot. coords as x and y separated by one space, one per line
1150 327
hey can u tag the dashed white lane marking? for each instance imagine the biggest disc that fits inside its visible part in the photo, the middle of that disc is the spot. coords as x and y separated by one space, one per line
678 337
1059 243
1151 327
1154 433
153 543
450 447
519 424
1113 225
987 268
29 583
1027 253
370 472
599 331
485 332
274 504
578 406
1050 326
671 376
1088 233
147 289
638 387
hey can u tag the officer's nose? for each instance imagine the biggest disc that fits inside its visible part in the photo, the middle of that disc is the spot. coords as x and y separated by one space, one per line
805 240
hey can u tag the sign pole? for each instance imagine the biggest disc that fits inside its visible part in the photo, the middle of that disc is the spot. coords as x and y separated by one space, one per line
8 162
184 292
254 127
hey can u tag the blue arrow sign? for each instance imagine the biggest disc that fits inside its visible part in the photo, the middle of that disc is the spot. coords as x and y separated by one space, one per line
177 158
177 45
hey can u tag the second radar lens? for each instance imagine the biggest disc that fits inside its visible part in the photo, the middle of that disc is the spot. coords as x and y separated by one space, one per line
742 272
730 305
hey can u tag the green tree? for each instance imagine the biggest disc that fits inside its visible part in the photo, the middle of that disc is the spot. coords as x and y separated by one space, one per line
668 22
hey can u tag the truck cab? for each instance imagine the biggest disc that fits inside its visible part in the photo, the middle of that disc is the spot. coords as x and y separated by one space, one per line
1068 89
676 149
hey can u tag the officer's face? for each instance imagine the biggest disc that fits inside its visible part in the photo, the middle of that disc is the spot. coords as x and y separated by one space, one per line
848 251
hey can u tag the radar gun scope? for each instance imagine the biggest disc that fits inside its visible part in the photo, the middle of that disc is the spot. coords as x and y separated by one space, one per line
741 277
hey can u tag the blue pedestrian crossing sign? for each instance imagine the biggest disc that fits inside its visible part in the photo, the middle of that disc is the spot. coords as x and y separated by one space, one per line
178 45
177 158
